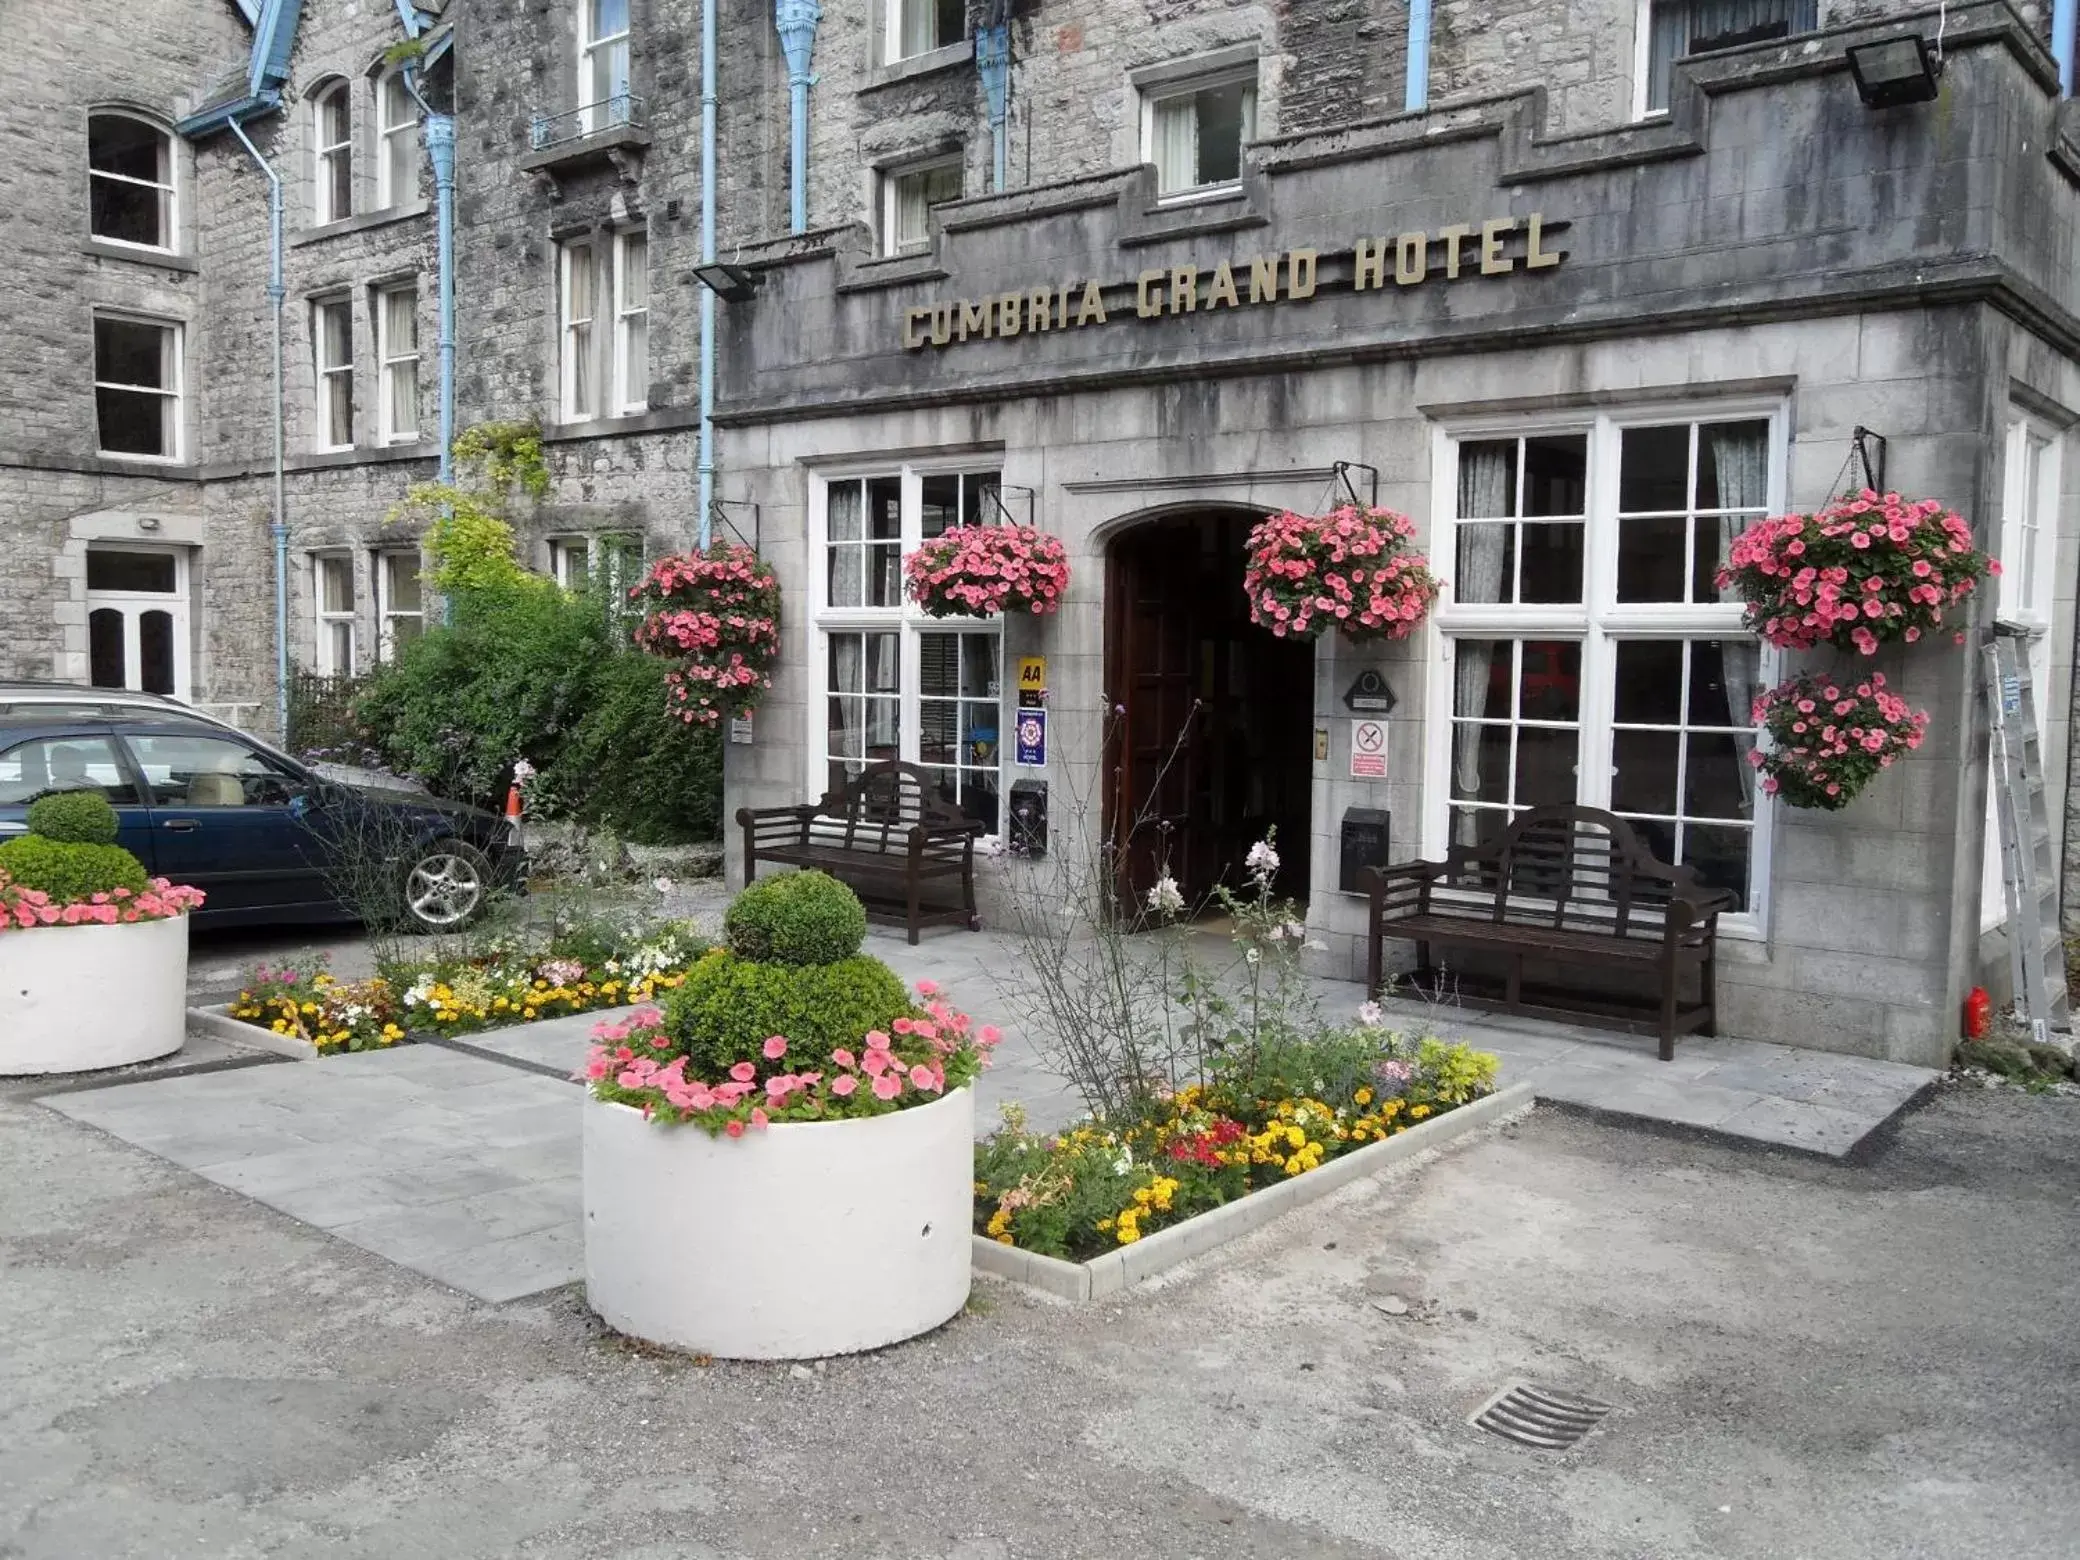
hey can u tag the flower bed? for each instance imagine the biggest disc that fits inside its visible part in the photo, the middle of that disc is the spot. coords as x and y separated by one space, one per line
1103 1185
463 992
981 570
1862 571
1354 570
717 613
1829 740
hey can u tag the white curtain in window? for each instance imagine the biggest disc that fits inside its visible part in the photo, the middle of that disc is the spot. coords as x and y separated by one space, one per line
1175 143
917 31
913 201
1740 453
843 523
1484 476
401 359
635 320
1679 26
578 313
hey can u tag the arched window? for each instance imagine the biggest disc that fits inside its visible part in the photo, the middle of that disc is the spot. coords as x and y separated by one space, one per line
130 182
332 136
397 141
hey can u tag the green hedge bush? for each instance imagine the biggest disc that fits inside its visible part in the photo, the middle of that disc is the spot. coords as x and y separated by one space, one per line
729 1006
69 871
796 918
551 677
74 817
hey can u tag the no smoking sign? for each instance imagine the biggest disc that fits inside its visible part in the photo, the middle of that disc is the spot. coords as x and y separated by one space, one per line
1368 750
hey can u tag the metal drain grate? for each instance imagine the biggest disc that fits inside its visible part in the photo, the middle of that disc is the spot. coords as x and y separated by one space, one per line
1539 1416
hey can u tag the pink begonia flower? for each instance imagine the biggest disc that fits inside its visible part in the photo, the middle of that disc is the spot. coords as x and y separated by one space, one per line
775 1047
744 1072
887 1086
843 1085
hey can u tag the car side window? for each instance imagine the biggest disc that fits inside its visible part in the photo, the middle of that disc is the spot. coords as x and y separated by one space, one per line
46 764
196 771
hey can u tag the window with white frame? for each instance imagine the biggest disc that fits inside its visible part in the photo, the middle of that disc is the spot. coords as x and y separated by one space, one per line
332 592
603 55
397 140
610 563
915 27
397 362
1194 132
897 684
130 183
1670 30
605 281
400 602
137 618
332 350
580 303
907 198
2028 551
137 387
332 139
1588 656
632 321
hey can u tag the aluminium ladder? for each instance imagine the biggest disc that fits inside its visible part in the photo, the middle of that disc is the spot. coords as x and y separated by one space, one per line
2029 869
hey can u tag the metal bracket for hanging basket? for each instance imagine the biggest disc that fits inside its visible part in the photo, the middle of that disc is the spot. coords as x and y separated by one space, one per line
1340 472
1867 450
1025 498
719 515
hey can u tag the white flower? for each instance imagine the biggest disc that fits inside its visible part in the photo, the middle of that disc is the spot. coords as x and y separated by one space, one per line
1277 934
1297 930
1253 956
1262 861
663 885
523 772
1124 1163
1166 898
1371 1015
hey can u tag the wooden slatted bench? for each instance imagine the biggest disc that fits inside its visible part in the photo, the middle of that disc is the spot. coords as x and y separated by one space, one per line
1565 885
886 834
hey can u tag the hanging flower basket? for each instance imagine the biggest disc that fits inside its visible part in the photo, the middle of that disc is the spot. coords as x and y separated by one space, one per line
1829 739
1352 570
716 612
1864 570
981 570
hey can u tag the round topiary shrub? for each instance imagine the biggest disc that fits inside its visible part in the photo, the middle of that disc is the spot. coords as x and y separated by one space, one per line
729 1007
799 918
69 871
74 817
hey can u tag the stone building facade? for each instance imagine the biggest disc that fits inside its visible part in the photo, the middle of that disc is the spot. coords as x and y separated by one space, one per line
1747 263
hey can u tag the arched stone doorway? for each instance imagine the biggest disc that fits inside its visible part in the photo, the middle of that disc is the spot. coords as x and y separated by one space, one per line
1211 735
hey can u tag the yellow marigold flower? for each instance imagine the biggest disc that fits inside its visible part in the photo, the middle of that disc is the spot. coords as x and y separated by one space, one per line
1104 1226
1418 1112
1363 1097
1005 1240
999 1222
527 1012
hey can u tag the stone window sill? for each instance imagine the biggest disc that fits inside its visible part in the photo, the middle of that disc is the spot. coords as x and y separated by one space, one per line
164 260
926 64
360 223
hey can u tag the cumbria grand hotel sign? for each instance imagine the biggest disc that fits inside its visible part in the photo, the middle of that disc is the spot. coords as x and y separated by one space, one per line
1500 246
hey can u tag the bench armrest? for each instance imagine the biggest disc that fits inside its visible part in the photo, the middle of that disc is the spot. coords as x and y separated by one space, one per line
748 816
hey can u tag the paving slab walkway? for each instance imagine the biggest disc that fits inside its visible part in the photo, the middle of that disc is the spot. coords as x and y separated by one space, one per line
461 1160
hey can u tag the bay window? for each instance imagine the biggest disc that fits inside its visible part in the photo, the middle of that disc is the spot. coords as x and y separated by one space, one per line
1588 656
897 684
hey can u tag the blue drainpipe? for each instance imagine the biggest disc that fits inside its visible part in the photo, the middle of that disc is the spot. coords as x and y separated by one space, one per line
440 148
707 450
1418 93
796 21
279 528
993 61
2064 15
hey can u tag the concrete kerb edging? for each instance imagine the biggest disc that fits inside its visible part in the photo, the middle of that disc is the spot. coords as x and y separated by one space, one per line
1129 1265
218 1022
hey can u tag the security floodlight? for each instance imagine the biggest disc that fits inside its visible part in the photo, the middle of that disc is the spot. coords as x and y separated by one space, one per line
1896 71
731 283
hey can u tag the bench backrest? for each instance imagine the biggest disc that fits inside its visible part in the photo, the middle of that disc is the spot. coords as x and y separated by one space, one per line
1571 867
877 808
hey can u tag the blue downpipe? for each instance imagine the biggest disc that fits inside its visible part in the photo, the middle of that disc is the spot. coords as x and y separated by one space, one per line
1417 96
796 20
2064 15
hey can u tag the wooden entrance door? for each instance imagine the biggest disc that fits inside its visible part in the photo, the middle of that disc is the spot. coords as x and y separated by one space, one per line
1157 716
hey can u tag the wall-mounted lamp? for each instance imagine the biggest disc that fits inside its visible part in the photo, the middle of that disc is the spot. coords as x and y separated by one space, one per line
147 522
731 283
1895 71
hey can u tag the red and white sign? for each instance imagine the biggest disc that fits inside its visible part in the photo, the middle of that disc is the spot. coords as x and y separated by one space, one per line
1368 750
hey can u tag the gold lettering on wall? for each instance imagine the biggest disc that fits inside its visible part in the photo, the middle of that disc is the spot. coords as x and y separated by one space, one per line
1495 246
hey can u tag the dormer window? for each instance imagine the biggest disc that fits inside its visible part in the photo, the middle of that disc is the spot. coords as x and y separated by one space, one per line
130 182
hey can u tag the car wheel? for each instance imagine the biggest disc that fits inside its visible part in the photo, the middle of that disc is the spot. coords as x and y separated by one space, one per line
446 886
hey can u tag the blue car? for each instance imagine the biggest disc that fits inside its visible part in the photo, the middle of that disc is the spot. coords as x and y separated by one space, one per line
268 839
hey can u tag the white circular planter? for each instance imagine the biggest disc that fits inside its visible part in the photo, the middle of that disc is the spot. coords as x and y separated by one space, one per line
81 998
794 1243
